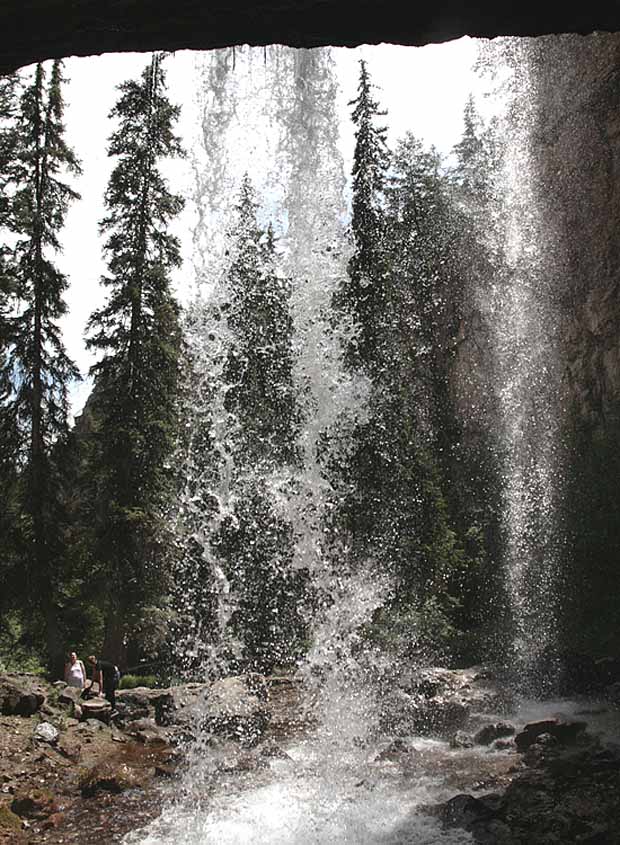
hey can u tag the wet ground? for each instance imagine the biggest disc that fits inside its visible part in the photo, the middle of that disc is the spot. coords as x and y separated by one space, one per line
328 791
300 786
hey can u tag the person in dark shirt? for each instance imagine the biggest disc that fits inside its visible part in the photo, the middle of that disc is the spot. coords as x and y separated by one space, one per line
106 675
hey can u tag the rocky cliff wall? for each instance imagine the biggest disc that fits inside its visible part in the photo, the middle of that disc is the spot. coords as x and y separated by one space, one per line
577 144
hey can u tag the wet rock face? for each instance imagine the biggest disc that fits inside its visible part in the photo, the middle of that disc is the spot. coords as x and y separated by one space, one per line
490 733
576 144
234 707
144 703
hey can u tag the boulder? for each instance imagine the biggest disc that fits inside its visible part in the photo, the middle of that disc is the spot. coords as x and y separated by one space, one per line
462 739
232 709
403 713
46 732
112 776
489 733
96 708
234 706
503 745
146 703
242 763
436 700
34 804
465 810
187 701
20 695
272 751
608 671
147 732
69 697
565 732
396 751
612 693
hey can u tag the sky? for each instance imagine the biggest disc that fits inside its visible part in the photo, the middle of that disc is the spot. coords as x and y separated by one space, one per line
424 90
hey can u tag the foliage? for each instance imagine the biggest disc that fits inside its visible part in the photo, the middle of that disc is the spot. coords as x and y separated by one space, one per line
362 291
132 681
16 653
255 543
35 407
401 497
136 332
259 364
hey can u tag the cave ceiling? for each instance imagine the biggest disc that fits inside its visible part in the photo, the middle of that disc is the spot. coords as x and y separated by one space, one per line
33 30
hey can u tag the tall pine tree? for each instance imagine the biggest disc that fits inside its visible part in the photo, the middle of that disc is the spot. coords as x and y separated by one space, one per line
8 432
363 290
256 544
40 368
260 368
135 380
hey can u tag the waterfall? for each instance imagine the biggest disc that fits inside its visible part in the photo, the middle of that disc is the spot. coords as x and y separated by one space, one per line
287 100
269 129
527 381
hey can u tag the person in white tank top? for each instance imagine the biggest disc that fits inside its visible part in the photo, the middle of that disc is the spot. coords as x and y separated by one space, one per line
75 672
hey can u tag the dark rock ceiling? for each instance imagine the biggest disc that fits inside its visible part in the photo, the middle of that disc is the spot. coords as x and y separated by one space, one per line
31 30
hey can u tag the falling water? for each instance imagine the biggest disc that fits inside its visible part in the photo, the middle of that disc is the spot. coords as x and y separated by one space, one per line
273 113
329 789
528 387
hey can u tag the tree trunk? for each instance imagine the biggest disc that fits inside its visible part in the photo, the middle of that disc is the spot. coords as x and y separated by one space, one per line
115 640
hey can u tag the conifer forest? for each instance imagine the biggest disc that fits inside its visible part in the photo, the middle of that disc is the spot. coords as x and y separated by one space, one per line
335 500
122 525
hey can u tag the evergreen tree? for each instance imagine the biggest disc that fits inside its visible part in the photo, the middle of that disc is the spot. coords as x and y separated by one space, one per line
473 156
8 432
397 506
39 366
256 544
426 308
135 379
363 290
260 366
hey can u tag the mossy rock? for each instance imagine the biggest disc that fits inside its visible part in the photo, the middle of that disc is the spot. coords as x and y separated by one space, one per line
34 803
112 776
9 821
11 832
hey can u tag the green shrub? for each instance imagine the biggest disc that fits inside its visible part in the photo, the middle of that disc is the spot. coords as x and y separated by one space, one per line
133 681
16 654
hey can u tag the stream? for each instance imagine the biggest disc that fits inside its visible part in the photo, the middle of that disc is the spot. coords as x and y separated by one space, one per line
329 791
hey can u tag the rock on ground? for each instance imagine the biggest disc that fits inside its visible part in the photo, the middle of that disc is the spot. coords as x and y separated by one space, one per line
21 694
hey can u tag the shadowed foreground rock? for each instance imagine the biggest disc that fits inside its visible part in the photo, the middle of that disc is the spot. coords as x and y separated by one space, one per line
20 695
566 794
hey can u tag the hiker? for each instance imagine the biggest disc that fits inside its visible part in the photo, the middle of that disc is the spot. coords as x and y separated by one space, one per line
75 672
106 674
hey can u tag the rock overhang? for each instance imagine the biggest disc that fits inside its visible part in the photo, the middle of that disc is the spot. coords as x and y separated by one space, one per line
34 30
